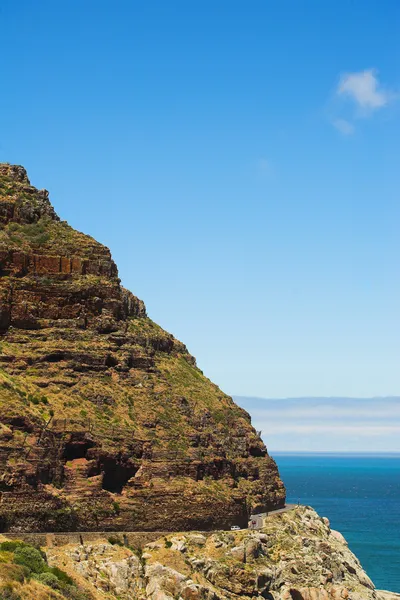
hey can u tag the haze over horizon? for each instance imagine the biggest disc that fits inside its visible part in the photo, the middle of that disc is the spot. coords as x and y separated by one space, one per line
326 424
241 162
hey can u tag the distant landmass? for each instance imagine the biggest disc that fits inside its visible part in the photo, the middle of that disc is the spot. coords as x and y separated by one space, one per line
327 424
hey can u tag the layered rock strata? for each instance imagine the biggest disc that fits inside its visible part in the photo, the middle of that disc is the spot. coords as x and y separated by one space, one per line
106 423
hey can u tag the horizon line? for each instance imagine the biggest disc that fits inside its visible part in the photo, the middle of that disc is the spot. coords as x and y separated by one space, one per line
318 397
336 452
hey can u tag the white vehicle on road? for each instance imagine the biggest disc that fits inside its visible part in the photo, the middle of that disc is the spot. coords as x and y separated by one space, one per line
235 528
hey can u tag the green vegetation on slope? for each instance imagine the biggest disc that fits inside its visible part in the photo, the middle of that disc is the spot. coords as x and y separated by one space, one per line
25 574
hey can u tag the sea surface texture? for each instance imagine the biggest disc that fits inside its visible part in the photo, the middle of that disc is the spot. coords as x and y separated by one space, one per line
361 497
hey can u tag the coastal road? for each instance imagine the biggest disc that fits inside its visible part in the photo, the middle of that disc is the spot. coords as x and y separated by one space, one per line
259 517
134 538
286 508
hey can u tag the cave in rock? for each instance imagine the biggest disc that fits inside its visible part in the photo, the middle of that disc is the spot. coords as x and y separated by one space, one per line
116 475
77 448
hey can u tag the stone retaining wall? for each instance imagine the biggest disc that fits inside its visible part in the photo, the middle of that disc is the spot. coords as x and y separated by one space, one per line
137 539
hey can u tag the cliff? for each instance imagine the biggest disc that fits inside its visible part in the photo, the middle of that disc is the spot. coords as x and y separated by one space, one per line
106 423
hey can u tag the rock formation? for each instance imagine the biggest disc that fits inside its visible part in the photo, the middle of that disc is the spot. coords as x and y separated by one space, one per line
106 423
295 557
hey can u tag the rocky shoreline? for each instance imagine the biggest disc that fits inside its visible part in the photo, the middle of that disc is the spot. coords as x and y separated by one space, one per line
296 556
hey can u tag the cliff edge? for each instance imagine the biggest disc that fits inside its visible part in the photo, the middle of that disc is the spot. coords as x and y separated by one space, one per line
106 423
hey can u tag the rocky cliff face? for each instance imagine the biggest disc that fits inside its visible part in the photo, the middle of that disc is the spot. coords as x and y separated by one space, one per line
106 423
295 557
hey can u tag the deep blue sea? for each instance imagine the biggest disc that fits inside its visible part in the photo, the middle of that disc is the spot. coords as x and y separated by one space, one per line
360 494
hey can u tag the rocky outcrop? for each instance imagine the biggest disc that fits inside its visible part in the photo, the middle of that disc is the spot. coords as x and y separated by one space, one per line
295 557
106 423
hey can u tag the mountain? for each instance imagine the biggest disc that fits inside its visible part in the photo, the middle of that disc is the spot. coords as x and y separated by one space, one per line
106 423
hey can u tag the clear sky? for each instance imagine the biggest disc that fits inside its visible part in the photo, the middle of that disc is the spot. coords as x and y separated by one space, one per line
241 160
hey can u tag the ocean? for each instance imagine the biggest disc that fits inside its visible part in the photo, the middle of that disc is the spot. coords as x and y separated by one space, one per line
360 494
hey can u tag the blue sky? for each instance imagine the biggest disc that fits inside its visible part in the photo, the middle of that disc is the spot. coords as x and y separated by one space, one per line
240 159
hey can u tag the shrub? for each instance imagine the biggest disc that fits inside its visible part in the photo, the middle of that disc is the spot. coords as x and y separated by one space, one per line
49 579
31 558
34 399
114 541
10 546
61 576
73 593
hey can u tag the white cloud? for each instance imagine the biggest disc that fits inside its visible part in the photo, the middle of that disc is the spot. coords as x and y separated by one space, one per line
366 95
340 430
327 424
364 89
345 127
389 412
